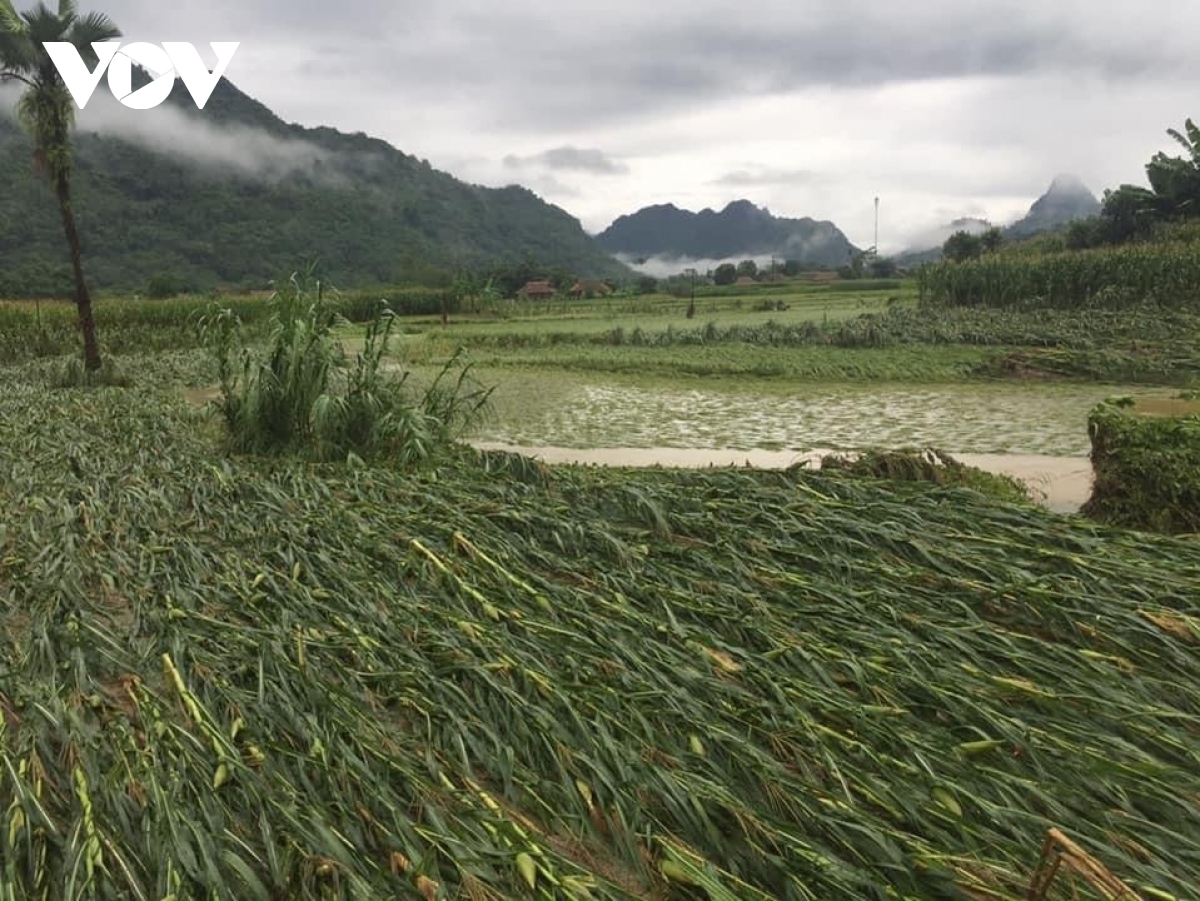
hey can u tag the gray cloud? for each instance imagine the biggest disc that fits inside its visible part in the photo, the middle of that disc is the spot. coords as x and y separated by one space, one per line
529 63
755 175
576 159
942 107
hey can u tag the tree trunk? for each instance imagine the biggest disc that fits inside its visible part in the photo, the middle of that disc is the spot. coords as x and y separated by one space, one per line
83 300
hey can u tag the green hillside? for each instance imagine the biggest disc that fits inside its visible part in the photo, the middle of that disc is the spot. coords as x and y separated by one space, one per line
369 212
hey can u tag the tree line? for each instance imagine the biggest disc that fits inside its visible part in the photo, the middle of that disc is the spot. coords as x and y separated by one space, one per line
1132 212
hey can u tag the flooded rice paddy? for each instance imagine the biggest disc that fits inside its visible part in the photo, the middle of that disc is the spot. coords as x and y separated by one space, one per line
1035 432
579 411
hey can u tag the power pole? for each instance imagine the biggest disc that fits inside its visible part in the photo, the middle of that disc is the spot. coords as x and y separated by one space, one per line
875 246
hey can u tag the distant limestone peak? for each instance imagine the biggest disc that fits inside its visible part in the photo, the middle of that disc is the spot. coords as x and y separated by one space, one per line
1068 184
1066 199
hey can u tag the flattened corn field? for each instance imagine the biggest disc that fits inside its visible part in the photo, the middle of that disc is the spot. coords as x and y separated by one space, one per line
236 679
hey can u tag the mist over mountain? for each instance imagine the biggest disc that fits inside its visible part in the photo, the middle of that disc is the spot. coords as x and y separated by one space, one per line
926 246
233 195
1066 200
665 233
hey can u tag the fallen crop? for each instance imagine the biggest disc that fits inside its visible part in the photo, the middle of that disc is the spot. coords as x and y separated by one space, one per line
223 677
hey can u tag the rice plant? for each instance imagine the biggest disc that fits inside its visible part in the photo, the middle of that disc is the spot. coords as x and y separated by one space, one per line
240 678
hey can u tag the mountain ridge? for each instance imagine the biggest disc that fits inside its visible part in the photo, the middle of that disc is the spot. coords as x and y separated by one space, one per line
234 195
740 230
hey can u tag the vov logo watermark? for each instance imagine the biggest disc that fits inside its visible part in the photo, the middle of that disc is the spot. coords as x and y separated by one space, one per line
165 62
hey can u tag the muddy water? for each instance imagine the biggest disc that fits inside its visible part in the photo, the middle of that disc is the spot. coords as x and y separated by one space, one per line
570 410
1060 483
1034 432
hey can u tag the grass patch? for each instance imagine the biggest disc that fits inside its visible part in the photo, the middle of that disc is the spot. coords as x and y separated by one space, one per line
301 393
72 374
1146 460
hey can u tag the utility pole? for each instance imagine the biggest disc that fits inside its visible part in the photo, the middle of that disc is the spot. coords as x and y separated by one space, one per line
875 246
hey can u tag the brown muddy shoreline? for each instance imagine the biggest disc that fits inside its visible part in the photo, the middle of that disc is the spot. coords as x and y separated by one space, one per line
1061 484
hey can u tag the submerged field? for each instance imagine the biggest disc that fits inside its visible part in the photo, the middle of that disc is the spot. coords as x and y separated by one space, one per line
234 678
972 381
585 410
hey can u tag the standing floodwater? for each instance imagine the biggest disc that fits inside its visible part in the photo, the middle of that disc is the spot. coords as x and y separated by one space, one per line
589 411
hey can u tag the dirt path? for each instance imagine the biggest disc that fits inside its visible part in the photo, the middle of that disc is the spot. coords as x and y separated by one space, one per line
1061 483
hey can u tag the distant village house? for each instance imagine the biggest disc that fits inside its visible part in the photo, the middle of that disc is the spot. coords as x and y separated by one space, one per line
538 290
590 288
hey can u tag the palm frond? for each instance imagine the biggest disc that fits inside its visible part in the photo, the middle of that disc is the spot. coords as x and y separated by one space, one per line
1180 139
10 22
67 10
18 56
92 28
1189 142
42 24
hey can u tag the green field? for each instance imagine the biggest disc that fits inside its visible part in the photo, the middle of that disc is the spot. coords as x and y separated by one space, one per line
655 313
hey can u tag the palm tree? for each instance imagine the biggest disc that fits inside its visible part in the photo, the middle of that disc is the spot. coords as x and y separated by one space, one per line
1175 180
1191 143
47 111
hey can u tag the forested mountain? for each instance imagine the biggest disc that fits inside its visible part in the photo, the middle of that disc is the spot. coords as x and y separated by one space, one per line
739 230
232 195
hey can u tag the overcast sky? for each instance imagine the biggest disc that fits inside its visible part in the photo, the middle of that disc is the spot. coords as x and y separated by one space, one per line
942 108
